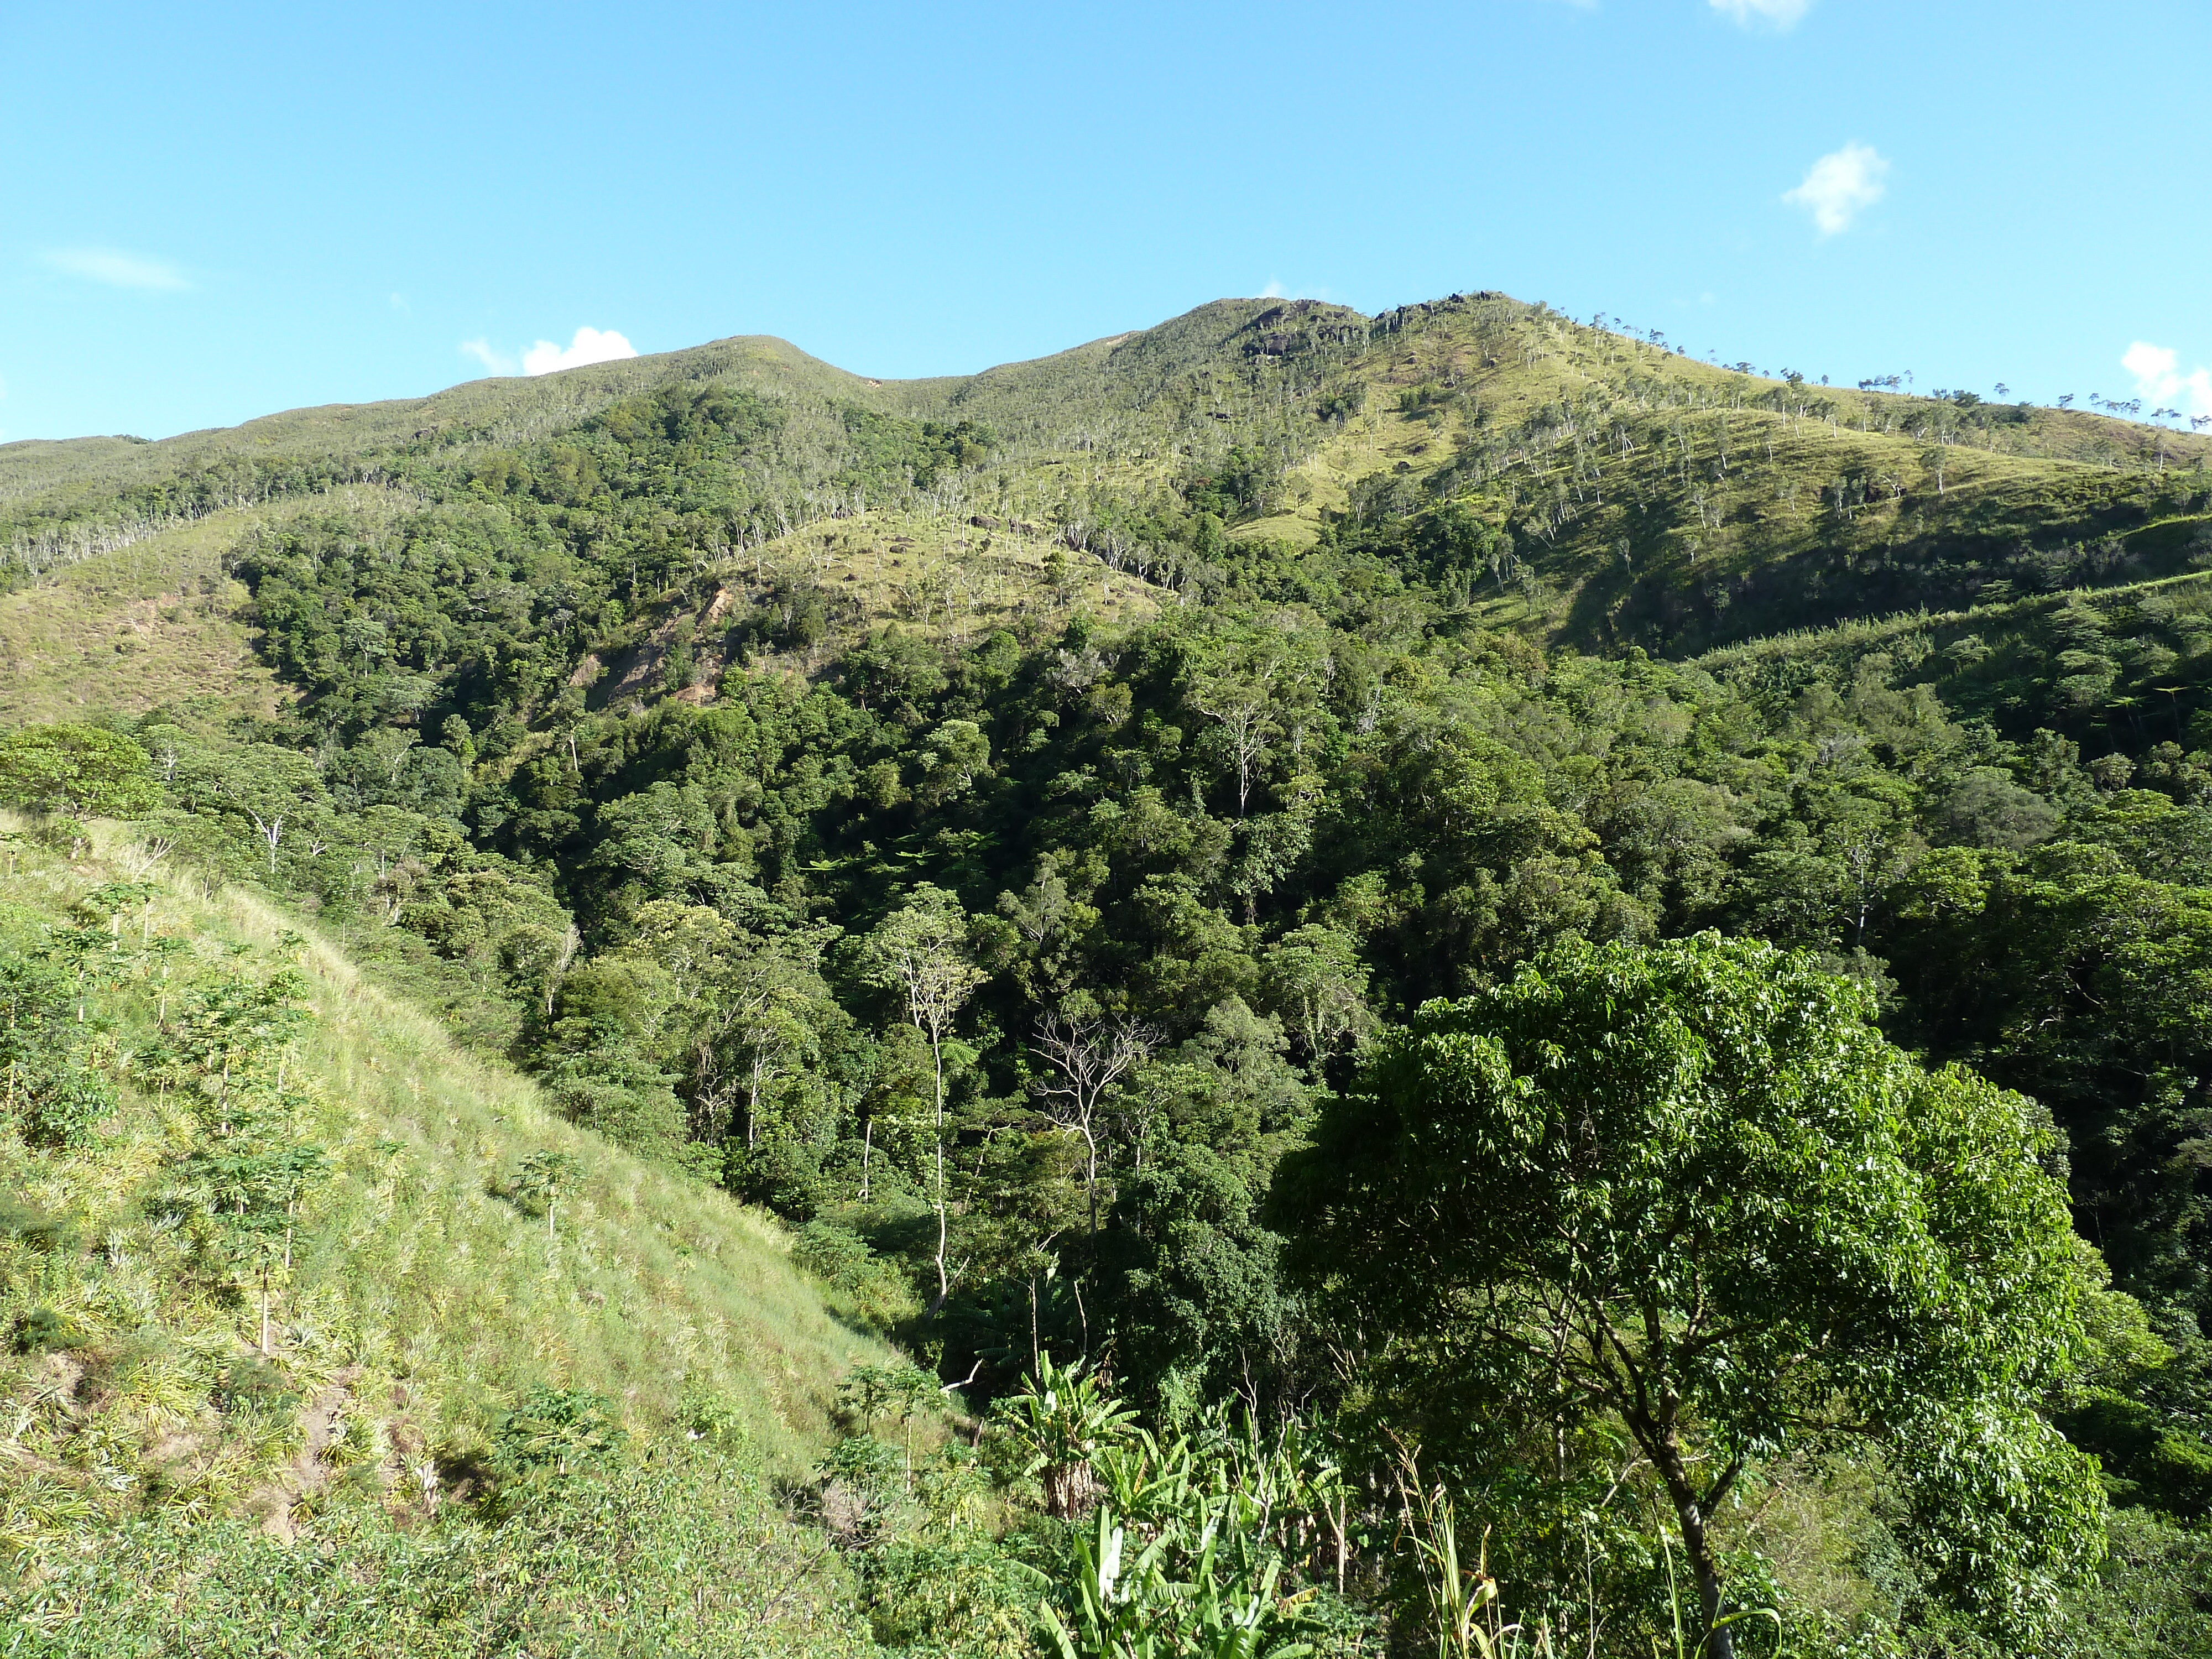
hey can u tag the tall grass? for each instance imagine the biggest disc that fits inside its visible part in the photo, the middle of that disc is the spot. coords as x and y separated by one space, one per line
424 1296
683 1555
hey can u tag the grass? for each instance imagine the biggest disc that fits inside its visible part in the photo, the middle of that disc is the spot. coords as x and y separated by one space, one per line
940 576
153 623
424 1300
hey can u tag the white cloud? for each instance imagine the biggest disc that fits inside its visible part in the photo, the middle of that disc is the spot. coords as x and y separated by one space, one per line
2160 380
1774 14
2153 367
495 362
101 264
1841 185
591 345
1274 290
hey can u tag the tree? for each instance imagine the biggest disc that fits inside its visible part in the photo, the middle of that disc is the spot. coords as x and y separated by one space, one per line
922 953
748 1007
952 757
1689 1188
541 1177
776 1004
1315 977
1089 1052
271 831
1830 869
76 771
1244 707
280 793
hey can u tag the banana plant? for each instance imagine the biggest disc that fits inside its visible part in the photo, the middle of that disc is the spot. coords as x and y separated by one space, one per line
1062 1420
1116 1612
1182 1556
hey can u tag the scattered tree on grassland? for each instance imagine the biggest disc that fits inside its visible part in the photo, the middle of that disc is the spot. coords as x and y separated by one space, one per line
542 1177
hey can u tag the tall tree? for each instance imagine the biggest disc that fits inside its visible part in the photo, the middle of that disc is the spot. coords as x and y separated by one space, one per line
1087 1051
1243 706
921 951
1689 1188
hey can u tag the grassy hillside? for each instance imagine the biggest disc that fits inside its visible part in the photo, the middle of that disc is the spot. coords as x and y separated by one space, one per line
428 1291
1610 491
1600 488
156 621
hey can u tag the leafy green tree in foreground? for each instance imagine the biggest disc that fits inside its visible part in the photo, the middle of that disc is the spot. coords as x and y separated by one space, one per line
1689 1188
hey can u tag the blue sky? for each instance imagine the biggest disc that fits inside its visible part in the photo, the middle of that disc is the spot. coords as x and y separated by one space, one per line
210 212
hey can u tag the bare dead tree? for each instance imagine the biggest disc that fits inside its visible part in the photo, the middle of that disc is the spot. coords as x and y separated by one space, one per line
272 831
1088 1054
1244 709
140 860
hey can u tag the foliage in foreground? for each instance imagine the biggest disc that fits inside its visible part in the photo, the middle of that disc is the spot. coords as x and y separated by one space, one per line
1688 1190
270 1244
682 1551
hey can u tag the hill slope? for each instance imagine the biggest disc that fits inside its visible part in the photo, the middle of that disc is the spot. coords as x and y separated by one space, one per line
1603 488
414 1285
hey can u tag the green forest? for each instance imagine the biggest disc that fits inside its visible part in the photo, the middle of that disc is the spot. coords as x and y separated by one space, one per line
1444 982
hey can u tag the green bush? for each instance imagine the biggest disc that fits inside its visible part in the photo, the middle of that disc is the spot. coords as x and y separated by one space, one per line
557 1433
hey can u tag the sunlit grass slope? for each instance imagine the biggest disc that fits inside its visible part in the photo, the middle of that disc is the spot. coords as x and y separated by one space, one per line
156 621
1654 499
423 1299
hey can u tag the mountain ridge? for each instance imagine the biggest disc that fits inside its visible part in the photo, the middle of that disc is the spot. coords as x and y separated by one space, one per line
1506 385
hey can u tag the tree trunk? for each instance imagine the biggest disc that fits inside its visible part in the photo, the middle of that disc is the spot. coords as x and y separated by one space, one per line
1090 1181
1690 1510
1719 1643
937 1057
